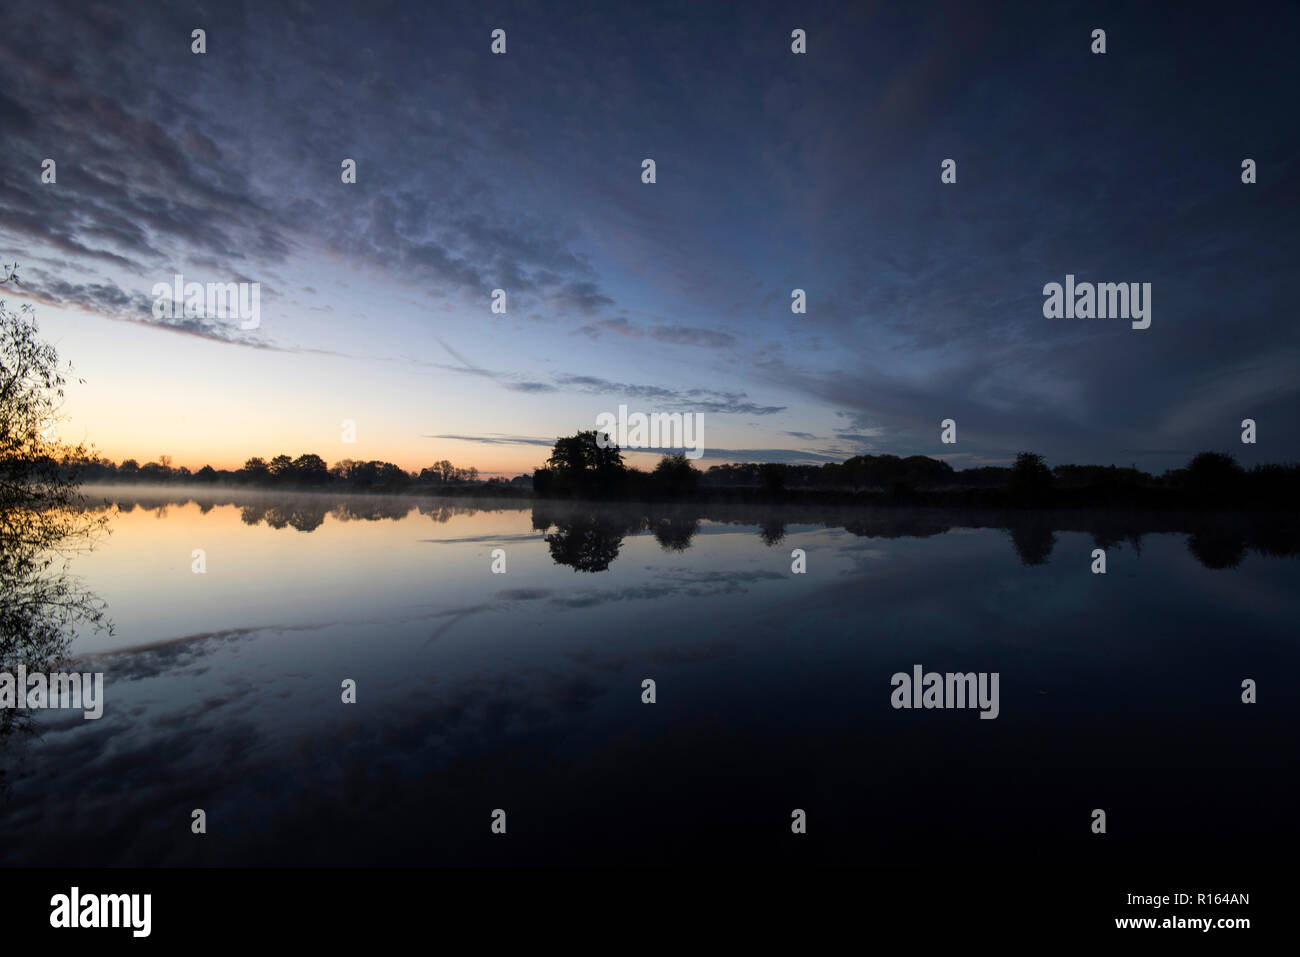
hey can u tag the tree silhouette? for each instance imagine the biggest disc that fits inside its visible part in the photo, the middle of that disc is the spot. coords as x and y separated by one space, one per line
281 468
310 470
1214 476
1030 480
43 519
675 476
773 475
255 471
580 465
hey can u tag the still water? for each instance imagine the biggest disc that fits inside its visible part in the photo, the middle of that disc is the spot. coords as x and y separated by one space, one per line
523 690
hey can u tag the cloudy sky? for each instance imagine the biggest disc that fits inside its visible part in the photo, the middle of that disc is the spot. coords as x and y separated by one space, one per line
775 171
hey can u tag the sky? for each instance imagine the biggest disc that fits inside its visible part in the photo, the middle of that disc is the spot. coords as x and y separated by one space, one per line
774 171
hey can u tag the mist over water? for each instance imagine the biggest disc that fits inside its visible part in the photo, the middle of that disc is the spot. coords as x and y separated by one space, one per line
523 690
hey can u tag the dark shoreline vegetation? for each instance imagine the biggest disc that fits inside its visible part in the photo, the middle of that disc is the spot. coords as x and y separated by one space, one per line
588 536
44 520
579 468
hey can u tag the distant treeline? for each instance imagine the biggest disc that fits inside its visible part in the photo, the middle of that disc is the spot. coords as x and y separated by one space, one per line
580 468
307 471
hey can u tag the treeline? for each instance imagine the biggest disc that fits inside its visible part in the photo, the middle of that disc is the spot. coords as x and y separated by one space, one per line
862 471
922 472
308 471
1210 477
580 468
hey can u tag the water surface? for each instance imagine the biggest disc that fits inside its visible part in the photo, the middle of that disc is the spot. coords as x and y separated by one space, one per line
523 690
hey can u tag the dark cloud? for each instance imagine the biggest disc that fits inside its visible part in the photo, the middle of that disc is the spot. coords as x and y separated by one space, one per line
786 456
678 335
686 336
774 172
694 400
173 159
495 439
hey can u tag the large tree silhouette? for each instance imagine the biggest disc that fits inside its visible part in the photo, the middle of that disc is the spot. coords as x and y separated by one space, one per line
43 519
585 464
